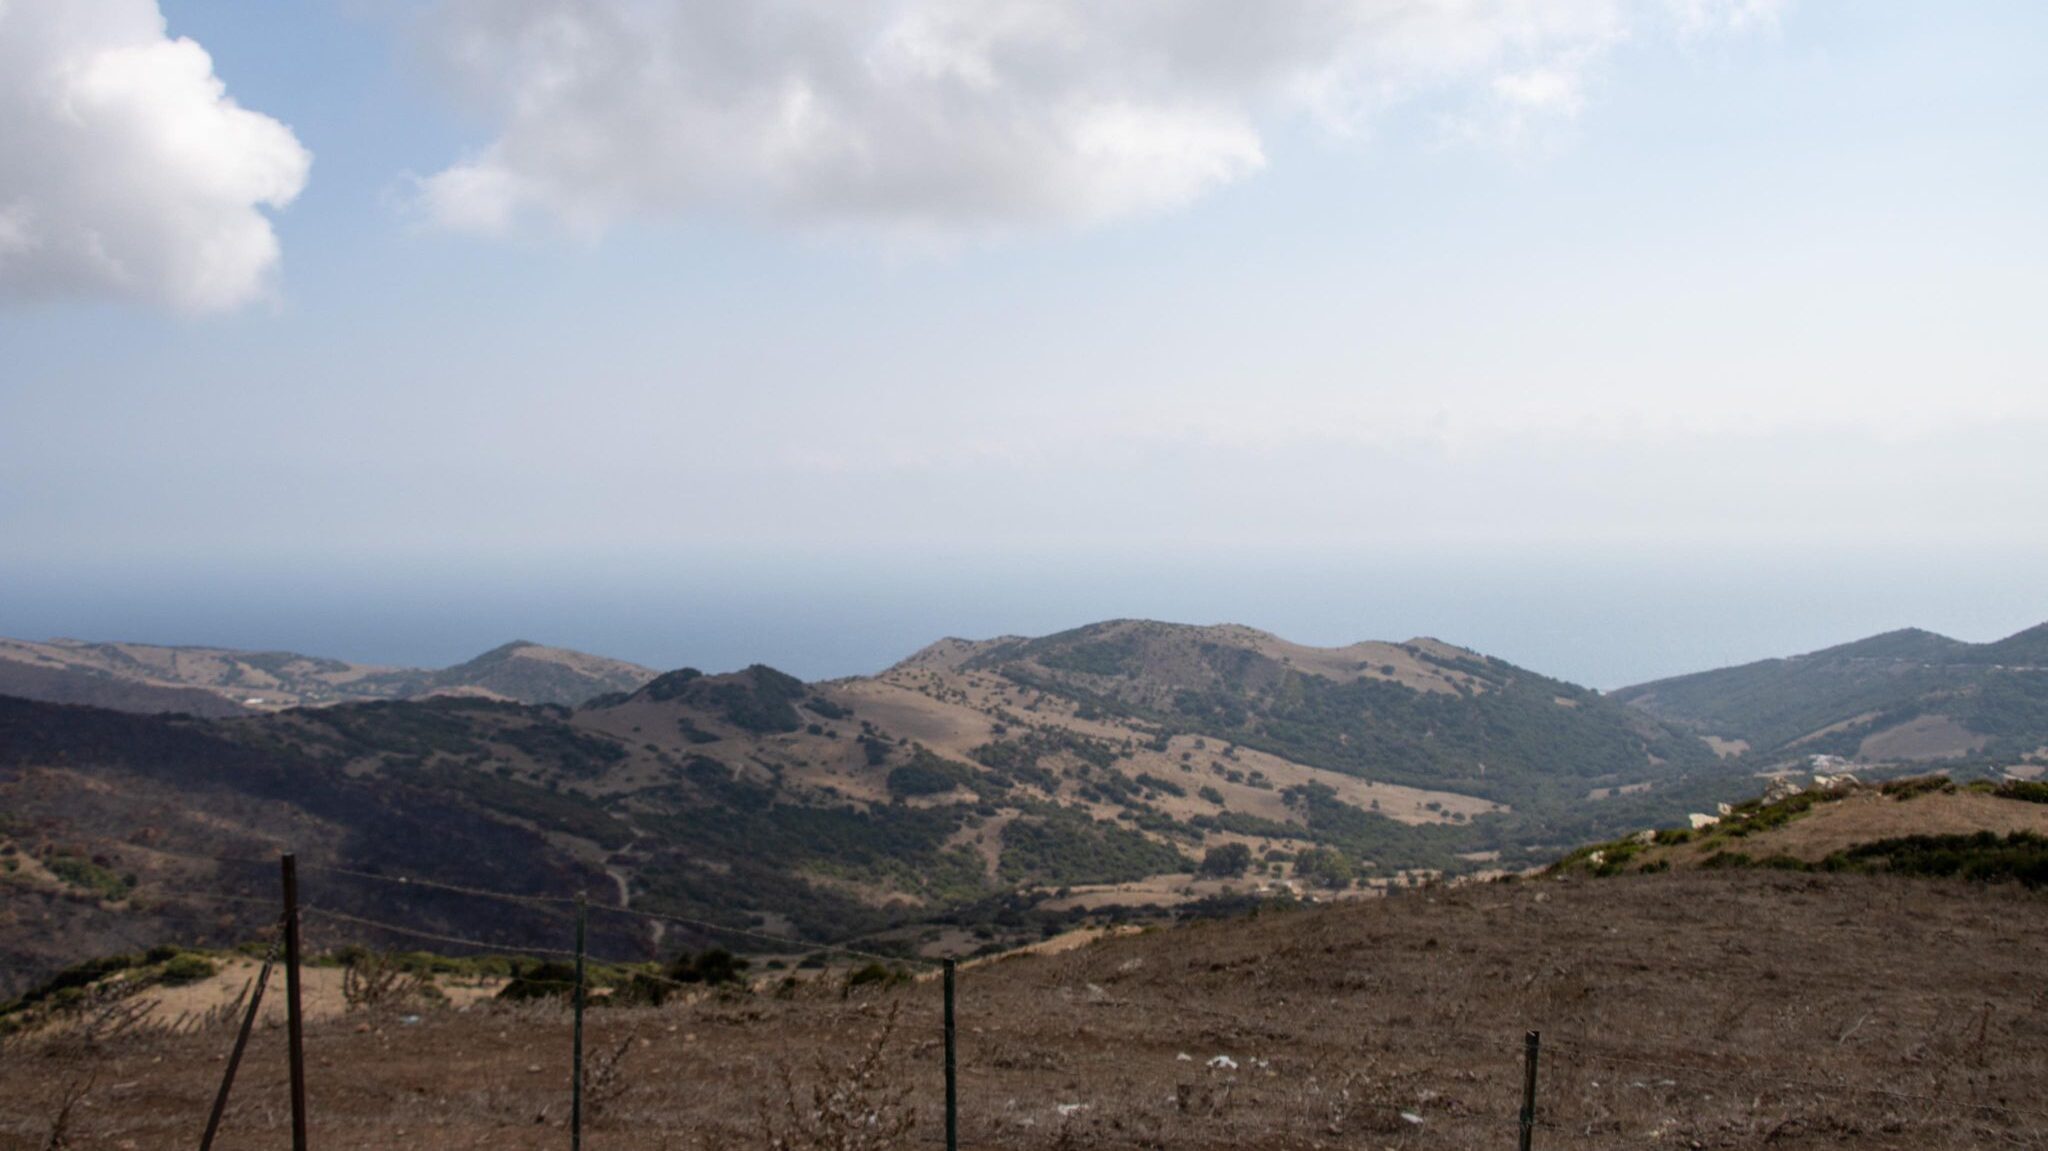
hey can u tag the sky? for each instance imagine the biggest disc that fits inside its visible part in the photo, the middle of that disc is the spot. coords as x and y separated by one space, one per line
1618 338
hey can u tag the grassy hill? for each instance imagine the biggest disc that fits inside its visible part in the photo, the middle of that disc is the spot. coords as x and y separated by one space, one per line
1902 697
1005 787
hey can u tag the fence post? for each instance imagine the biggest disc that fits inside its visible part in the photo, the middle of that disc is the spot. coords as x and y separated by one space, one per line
576 1082
227 1078
952 1070
294 1022
1529 1051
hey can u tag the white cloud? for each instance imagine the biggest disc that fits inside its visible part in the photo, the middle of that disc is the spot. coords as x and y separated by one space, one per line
1552 90
125 168
951 116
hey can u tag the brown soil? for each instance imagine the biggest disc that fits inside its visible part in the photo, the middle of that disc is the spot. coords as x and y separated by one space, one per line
1685 1010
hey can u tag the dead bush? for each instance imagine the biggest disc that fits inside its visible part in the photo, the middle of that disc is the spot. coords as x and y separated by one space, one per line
847 1108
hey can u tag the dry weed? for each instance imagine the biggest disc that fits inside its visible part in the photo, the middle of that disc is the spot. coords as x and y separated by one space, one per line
849 1108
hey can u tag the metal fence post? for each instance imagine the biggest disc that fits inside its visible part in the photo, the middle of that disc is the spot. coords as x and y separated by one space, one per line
1529 1051
952 1070
294 1016
576 1082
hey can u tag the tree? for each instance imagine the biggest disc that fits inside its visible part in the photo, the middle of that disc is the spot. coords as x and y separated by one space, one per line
1324 866
1227 859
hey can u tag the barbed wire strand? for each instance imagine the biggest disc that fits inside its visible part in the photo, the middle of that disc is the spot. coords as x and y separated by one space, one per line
550 902
433 936
779 940
636 967
381 877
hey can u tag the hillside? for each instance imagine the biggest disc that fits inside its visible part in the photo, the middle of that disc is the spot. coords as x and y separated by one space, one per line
1007 786
210 681
121 831
1923 825
55 683
1903 697
1689 1009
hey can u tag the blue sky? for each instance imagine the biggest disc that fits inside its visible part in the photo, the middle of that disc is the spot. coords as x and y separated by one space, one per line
1628 340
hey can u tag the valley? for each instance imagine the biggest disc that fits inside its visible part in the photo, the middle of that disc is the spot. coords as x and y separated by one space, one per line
1000 790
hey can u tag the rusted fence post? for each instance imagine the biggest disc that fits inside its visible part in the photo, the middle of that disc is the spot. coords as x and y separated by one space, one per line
1529 1051
952 1070
576 1080
294 1023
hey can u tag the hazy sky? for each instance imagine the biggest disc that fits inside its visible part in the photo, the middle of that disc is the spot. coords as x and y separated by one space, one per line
1617 337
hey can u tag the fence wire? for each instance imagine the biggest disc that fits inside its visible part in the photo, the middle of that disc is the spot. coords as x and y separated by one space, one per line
1563 1055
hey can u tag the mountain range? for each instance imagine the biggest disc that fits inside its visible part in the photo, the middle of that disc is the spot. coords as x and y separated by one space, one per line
1000 786
211 681
1902 697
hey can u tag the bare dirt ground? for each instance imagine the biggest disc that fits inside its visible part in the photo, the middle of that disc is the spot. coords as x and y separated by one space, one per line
1692 1010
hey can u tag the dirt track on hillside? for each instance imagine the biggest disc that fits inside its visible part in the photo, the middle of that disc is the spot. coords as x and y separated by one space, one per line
1684 1010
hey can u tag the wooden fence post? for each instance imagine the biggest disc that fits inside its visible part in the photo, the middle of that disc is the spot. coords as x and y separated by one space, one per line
227 1078
1529 1051
952 1070
576 1082
294 1016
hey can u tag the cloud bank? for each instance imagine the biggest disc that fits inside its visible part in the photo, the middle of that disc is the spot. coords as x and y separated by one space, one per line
951 116
125 168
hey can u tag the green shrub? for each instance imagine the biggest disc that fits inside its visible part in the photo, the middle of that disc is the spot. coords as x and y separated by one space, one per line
1754 816
543 980
1915 786
69 984
2021 856
876 975
926 775
2024 790
1157 784
89 875
714 966
1056 846
185 967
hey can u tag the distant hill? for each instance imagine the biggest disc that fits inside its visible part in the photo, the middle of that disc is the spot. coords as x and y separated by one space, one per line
61 684
1422 713
214 681
1904 696
989 784
534 673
